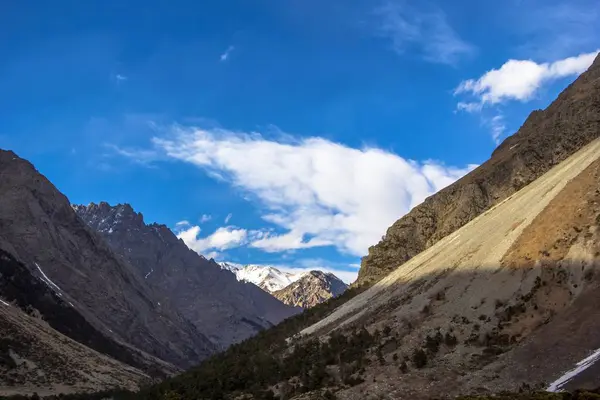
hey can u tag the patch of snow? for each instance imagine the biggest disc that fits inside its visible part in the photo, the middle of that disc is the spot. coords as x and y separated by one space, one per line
148 274
513 146
267 277
569 375
110 230
5 303
47 280
158 303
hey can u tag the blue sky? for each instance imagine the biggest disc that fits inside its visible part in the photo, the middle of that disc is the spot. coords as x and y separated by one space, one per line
290 133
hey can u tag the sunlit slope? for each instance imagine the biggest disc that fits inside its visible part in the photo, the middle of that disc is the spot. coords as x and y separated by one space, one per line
478 246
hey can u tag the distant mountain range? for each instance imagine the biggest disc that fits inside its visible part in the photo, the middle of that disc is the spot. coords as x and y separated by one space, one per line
303 289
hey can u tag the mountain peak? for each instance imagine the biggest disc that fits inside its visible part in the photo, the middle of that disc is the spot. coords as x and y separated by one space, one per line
311 289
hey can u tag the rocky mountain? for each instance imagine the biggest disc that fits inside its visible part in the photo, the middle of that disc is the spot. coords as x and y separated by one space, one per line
303 289
266 277
489 286
311 289
220 306
546 138
40 230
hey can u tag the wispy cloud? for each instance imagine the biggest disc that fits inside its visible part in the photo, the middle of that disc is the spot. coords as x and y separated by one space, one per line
138 156
228 218
423 29
205 218
554 29
498 128
226 54
319 193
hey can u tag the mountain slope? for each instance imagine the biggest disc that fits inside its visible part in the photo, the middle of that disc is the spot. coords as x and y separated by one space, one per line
521 280
311 289
35 357
39 228
211 298
508 300
545 139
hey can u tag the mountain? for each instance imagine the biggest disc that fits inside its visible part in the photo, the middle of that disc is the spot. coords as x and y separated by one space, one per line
266 277
225 310
546 138
37 350
40 230
490 286
311 289
303 289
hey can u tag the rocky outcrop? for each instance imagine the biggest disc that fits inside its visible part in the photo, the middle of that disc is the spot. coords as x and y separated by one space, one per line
39 228
219 306
311 289
546 138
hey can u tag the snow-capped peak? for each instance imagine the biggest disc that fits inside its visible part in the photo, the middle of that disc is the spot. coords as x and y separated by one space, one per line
266 277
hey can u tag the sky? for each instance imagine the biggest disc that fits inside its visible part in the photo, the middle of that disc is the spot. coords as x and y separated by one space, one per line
290 133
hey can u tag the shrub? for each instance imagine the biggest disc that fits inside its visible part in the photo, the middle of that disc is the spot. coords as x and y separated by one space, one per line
419 358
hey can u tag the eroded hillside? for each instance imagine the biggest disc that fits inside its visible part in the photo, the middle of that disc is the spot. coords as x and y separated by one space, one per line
546 138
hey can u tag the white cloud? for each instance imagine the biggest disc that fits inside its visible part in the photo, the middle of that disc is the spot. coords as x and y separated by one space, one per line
205 218
222 239
120 77
213 254
319 192
424 29
519 80
228 218
182 223
226 54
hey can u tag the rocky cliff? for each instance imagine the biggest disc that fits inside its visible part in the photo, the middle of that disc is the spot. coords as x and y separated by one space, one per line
226 310
546 138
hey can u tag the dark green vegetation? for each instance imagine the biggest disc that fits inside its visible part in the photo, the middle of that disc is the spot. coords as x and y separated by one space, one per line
259 363
577 395
107 394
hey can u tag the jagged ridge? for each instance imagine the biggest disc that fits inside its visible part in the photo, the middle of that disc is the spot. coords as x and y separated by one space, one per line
226 310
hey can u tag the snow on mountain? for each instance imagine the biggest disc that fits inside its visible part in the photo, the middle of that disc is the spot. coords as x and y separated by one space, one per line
266 277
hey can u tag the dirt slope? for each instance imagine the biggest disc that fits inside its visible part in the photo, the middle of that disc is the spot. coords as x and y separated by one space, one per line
36 358
516 287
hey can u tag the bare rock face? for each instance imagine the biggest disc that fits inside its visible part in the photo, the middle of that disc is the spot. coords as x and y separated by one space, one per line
39 228
313 288
546 138
219 306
